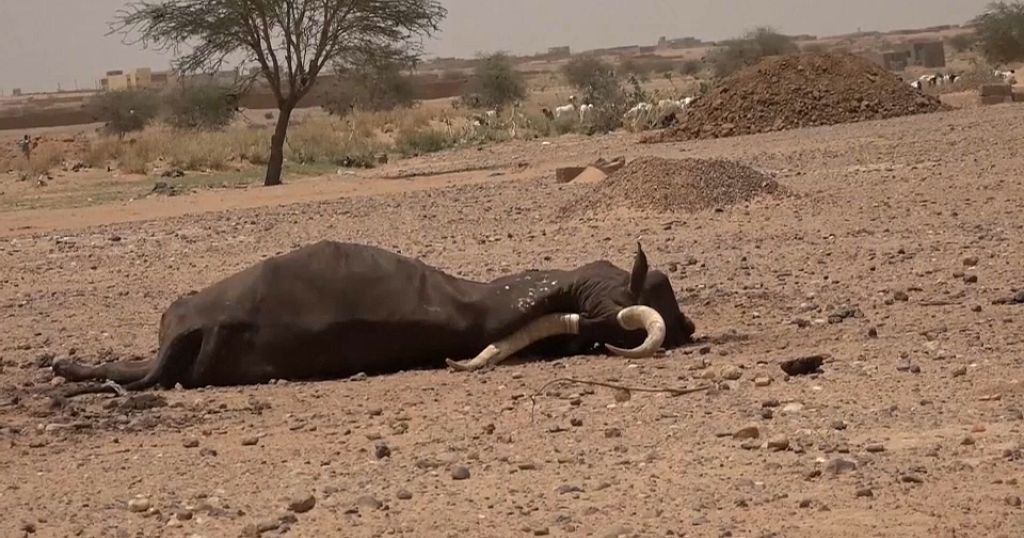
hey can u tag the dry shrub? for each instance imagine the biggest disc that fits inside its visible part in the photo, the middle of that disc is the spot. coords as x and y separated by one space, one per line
326 141
45 157
101 152
422 141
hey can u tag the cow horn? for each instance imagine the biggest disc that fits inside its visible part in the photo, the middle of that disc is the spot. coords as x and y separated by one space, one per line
535 331
641 317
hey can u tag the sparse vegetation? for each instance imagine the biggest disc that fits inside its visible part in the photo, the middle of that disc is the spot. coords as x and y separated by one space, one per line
600 85
496 83
291 41
204 107
963 42
756 44
422 141
373 87
1000 32
126 111
690 68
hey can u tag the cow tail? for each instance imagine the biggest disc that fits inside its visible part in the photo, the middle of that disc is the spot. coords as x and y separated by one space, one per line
172 358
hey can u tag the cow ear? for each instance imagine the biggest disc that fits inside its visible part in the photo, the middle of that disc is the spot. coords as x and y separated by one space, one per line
639 276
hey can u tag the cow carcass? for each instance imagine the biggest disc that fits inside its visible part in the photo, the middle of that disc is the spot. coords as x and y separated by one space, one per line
330 310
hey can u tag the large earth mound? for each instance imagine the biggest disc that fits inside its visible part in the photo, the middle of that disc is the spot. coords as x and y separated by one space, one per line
799 90
673 185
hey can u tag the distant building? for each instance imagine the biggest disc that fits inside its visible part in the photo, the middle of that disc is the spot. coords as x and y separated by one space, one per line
143 77
929 53
16 92
679 43
559 52
896 60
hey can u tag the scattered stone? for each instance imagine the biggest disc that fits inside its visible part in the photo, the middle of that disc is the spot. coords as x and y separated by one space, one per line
803 365
368 501
207 452
1013 500
839 424
778 443
1017 298
382 450
971 279
911 479
875 448
191 443
864 492
792 407
967 441
375 411
806 503
540 531
747 432
904 365
750 444
576 422
872 333
301 504
568 488
731 373
762 381
960 372
527 466
837 466
143 402
901 296
403 495
612 433
460 472
971 261
489 429
139 504
250 441
267 526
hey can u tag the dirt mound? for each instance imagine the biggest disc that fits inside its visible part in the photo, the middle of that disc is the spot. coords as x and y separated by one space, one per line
670 185
799 90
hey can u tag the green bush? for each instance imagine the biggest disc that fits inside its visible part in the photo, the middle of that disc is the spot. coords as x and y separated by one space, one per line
126 111
1000 32
201 108
495 83
373 87
756 44
601 86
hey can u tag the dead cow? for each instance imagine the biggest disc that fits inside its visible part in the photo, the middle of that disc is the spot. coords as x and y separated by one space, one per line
330 310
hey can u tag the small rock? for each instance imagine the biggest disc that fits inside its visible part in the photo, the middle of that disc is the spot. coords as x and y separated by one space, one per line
971 261
489 429
1013 500
731 373
207 452
568 488
460 472
250 441
911 479
576 422
612 433
375 412
839 424
838 466
864 492
382 450
900 296
875 448
967 441
778 443
792 407
806 503
368 502
872 333
267 526
762 381
970 279
540 531
903 365
190 443
803 365
747 432
403 495
139 504
960 372
301 504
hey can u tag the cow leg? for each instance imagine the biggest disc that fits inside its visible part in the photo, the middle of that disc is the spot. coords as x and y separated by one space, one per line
120 372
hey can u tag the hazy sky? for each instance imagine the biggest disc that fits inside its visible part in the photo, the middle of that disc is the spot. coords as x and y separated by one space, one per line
44 43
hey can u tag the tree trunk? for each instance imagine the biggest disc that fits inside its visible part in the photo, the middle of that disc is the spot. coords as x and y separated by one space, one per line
276 162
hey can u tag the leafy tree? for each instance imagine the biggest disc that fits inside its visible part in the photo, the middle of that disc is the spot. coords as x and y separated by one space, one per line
749 49
496 82
1000 32
126 111
290 40
371 86
203 107
601 86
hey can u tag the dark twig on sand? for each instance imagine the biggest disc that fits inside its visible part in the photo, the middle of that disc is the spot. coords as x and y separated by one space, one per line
624 388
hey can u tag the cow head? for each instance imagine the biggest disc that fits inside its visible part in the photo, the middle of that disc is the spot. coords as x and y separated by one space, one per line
633 314
636 310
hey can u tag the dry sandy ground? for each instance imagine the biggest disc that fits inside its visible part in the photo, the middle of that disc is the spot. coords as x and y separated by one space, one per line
913 433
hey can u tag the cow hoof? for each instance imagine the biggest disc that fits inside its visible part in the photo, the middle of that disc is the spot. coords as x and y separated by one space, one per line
459 367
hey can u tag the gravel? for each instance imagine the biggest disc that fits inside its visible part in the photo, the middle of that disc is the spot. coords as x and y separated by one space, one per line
671 185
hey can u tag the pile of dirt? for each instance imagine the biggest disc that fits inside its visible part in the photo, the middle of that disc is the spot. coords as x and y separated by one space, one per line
673 185
799 90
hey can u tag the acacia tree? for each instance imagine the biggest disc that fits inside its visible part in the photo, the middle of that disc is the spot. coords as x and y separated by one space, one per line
1000 32
291 41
